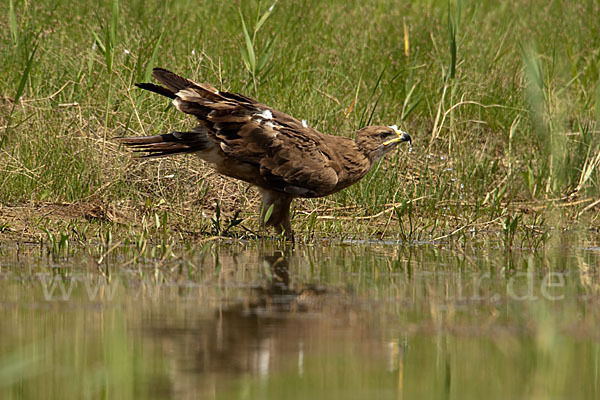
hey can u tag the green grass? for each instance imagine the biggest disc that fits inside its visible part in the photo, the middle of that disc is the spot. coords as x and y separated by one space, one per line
502 102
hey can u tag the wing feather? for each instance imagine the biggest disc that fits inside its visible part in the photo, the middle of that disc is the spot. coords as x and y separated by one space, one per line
289 156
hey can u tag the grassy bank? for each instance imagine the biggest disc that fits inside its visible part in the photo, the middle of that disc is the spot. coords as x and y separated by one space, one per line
502 101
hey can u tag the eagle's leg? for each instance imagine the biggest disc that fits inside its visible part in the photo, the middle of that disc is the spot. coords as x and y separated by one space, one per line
280 215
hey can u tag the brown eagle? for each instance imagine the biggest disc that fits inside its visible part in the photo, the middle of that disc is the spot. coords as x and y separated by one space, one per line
247 140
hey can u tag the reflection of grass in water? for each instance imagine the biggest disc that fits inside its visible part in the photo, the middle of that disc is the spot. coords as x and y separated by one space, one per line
389 317
440 367
19 366
63 361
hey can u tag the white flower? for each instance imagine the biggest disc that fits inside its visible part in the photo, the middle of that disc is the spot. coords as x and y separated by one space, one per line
193 52
127 52
304 124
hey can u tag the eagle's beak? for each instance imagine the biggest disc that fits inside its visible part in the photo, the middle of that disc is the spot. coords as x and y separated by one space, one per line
402 137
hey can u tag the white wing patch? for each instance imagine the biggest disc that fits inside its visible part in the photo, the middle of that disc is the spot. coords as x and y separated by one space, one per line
265 114
266 120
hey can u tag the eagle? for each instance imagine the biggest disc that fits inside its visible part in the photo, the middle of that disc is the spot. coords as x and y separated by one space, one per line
247 140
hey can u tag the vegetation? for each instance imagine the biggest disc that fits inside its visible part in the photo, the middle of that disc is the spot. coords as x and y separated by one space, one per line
502 102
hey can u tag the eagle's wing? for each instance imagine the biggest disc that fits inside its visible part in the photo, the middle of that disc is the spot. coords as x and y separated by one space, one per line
291 157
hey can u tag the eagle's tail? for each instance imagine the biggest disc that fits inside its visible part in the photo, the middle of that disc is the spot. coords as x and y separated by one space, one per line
156 89
174 83
169 143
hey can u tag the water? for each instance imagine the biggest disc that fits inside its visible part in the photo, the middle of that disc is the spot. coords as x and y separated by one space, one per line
331 321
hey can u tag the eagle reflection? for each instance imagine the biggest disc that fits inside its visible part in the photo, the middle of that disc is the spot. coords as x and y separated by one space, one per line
253 334
277 293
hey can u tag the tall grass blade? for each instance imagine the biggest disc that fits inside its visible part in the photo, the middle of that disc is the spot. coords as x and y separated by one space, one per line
452 41
264 17
153 57
111 36
25 76
382 93
408 106
114 21
265 56
406 39
368 121
250 56
108 53
458 13
533 68
348 110
99 43
12 22
20 91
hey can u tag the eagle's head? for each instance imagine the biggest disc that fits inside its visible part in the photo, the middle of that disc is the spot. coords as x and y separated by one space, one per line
377 141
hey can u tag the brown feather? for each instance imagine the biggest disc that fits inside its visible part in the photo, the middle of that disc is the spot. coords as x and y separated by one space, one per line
171 80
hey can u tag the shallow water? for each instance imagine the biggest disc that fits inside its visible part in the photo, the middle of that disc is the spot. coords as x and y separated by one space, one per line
347 321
